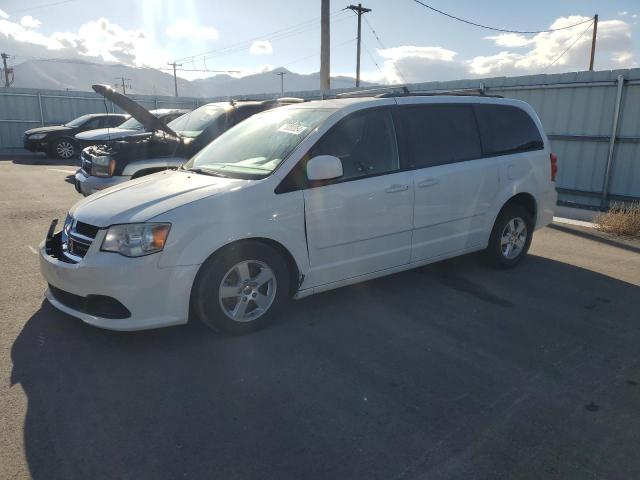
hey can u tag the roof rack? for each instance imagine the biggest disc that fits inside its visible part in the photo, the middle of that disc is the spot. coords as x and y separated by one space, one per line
370 91
467 92
403 91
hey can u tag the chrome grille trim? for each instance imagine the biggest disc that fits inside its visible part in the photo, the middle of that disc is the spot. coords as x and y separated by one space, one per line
75 245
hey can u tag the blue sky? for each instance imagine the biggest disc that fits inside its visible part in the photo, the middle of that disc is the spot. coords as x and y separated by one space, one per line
420 44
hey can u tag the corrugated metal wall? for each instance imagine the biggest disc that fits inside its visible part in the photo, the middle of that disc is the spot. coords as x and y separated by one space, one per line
577 110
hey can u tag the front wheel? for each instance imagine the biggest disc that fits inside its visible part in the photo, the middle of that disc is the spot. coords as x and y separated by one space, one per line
511 237
63 149
239 288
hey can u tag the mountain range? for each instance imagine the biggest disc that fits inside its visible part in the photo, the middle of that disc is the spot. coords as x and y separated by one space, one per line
75 75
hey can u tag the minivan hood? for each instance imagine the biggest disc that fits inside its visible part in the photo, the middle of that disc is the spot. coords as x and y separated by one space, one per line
107 134
137 111
142 199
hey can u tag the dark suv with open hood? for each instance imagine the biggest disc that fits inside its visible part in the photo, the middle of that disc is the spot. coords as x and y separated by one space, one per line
163 146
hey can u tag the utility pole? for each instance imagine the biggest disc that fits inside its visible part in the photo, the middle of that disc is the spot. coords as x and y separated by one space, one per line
123 79
360 10
281 74
7 71
175 77
325 48
593 41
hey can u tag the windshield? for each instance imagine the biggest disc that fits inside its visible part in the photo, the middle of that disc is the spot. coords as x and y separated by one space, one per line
78 121
259 144
132 124
192 124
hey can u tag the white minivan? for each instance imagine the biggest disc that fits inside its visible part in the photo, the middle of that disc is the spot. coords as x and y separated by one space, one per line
302 199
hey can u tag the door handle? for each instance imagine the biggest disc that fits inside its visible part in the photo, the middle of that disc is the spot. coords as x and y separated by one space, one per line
429 182
396 187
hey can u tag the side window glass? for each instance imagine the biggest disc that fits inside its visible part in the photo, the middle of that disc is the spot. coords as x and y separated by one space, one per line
438 134
93 124
113 121
506 129
364 141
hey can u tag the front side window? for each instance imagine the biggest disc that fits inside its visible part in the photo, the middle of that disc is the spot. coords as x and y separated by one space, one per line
507 129
259 144
438 134
364 141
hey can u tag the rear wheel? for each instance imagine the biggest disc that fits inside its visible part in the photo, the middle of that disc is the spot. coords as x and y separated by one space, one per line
63 149
239 289
511 237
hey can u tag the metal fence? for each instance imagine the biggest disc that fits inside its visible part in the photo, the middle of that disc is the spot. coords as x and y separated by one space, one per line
592 119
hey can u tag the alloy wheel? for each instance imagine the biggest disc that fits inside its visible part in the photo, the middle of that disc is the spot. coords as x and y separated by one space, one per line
65 149
513 238
247 291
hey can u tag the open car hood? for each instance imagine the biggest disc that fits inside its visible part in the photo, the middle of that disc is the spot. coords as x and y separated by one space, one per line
137 111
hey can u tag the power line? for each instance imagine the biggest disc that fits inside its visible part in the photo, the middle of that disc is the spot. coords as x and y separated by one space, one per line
375 34
568 48
35 7
469 22
279 34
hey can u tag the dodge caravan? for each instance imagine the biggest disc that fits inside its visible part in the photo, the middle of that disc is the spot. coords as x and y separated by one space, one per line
302 199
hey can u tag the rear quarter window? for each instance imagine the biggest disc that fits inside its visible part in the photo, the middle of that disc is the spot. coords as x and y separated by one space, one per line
438 134
506 129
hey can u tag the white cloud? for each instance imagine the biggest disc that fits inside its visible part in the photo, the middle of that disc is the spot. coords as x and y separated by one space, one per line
410 63
183 28
614 49
261 47
511 40
98 40
3 14
623 13
29 22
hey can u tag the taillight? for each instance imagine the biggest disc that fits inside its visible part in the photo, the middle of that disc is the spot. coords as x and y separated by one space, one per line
554 166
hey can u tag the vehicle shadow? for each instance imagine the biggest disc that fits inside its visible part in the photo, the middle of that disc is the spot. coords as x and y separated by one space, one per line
437 372
37 159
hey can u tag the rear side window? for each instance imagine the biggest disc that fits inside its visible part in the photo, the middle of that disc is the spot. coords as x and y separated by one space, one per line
439 134
506 129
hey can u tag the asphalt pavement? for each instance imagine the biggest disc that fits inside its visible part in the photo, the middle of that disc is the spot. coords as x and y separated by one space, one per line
451 371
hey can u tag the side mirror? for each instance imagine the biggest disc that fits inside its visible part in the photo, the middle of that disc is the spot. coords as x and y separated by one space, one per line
324 167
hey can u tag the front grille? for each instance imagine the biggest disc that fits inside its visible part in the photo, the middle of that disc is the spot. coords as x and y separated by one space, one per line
77 238
86 229
86 162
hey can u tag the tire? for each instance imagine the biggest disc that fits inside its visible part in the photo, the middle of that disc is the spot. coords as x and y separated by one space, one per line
506 246
219 299
63 149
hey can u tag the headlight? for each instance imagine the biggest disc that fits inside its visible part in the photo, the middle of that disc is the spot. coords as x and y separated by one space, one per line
136 239
37 136
102 166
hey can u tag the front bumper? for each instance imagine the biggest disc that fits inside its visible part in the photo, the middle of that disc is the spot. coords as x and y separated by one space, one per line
88 184
35 145
153 296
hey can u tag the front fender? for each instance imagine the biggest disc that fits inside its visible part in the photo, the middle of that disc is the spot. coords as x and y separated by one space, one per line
202 227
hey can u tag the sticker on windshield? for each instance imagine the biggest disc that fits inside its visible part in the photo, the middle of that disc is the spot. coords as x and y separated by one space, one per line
295 128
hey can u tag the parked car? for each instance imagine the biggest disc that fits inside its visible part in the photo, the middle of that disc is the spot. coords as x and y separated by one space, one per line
168 146
104 136
302 199
58 141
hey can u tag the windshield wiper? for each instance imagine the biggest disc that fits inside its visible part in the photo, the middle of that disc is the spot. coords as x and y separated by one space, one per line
205 171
